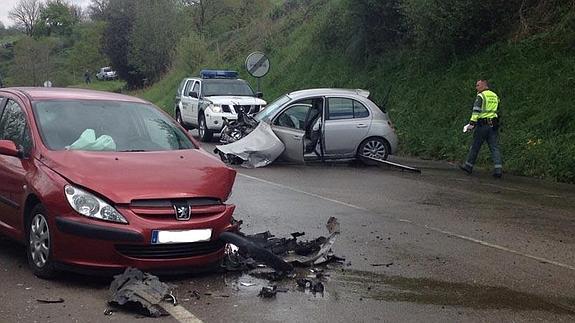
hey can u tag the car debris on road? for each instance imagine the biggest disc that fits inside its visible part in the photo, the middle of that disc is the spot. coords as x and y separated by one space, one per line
280 254
135 287
146 294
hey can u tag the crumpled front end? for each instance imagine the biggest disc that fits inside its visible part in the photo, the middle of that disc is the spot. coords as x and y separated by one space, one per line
257 149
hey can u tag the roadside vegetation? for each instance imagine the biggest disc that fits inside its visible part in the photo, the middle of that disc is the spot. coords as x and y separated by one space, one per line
421 57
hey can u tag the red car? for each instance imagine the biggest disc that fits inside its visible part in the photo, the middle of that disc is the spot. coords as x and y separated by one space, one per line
96 180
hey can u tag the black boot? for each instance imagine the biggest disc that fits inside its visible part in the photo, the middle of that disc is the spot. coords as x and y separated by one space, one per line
466 169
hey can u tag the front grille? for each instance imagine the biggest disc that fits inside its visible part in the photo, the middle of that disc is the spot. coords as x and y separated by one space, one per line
201 207
170 251
247 108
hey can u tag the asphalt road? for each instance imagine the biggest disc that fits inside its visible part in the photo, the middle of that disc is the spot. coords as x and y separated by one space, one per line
436 246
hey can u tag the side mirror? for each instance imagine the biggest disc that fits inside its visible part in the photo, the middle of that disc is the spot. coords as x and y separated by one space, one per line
259 95
193 95
8 147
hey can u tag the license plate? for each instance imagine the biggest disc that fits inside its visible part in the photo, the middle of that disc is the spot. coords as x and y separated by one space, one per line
171 236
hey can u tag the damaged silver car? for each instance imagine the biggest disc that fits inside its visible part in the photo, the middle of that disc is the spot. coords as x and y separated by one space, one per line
310 125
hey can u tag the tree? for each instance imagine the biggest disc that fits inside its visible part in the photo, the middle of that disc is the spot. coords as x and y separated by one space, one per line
33 62
119 16
153 38
86 54
26 15
97 9
57 17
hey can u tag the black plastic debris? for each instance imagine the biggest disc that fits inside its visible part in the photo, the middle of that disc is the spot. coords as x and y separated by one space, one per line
279 253
268 292
256 251
50 301
140 291
271 291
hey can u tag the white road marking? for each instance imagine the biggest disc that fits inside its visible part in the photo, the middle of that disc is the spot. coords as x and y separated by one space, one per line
481 242
306 193
180 313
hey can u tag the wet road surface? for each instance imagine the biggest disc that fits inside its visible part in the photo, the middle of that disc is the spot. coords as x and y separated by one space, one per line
435 246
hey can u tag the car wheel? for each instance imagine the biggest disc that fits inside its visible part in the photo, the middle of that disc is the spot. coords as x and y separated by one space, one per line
373 147
39 243
203 131
180 120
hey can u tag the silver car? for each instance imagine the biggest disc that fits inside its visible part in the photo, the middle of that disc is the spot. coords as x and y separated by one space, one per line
315 124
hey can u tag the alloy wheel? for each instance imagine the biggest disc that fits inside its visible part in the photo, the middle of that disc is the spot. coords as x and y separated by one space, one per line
39 240
375 149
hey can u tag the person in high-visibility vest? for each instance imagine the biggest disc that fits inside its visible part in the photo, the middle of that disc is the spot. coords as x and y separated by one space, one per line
485 123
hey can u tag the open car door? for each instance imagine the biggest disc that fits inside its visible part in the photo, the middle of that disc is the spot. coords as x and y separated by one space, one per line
289 126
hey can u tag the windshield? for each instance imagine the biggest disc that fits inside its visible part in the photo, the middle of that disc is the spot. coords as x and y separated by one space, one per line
226 87
271 108
107 126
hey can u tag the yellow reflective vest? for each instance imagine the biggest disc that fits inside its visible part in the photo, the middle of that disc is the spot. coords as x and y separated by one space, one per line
489 104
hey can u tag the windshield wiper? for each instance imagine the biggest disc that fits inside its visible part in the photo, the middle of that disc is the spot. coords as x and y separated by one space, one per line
132 150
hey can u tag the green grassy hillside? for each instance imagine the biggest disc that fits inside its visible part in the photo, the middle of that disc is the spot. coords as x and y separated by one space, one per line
429 102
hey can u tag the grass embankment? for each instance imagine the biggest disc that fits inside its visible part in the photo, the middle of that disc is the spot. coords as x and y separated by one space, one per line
429 103
109 86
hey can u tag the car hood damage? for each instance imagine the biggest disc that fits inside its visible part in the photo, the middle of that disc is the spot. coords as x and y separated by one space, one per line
119 176
250 148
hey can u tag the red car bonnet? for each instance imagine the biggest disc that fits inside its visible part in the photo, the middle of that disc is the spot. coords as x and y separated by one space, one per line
125 176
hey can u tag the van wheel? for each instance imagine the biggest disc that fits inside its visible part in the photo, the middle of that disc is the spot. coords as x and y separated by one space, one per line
373 147
39 243
205 133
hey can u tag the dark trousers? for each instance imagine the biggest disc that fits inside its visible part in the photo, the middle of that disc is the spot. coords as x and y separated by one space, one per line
480 134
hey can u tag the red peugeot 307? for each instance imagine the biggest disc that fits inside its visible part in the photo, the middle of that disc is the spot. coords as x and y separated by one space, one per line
96 180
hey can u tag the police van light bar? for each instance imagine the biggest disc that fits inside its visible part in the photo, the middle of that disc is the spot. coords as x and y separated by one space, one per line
218 74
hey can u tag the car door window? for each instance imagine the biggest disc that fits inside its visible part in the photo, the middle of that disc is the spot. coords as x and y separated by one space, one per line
293 117
13 126
196 88
188 87
341 108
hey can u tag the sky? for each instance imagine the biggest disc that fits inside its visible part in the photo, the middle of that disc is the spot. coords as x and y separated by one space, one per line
7 5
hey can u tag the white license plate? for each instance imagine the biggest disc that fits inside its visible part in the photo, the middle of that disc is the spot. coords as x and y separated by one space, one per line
197 235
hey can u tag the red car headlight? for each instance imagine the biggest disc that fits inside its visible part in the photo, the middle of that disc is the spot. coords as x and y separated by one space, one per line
91 206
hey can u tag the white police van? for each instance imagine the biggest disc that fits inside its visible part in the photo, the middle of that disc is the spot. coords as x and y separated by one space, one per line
203 102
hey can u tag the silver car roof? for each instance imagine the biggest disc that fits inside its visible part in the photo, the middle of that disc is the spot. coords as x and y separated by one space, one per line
328 91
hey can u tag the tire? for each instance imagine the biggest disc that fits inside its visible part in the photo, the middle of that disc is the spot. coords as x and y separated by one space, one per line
374 147
39 243
203 131
180 120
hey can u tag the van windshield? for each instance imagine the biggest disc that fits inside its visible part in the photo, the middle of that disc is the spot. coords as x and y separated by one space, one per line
226 87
